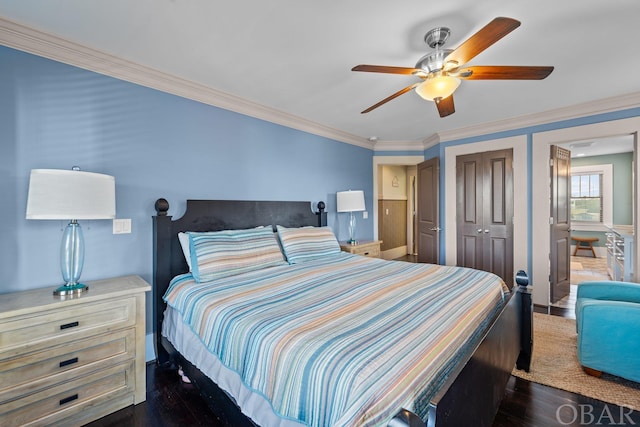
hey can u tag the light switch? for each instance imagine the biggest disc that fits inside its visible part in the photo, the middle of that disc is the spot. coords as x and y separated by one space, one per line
122 226
365 215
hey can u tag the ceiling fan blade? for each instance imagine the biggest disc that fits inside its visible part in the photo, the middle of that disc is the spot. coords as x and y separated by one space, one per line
488 35
386 69
389 98
503 72
445 106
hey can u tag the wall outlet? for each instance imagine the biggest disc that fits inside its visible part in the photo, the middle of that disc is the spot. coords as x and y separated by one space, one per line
122 226
365 215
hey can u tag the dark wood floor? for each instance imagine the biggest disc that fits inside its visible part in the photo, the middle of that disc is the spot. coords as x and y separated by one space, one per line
170 402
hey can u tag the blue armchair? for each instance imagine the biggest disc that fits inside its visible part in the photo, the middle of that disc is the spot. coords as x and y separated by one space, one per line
608 326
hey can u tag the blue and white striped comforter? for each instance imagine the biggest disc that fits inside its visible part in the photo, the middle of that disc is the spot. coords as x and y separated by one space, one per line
343 341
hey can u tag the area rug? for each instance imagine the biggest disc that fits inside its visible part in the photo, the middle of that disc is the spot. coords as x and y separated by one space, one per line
555 363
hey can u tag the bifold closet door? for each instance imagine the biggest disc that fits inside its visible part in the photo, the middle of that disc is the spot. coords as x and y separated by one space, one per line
484 194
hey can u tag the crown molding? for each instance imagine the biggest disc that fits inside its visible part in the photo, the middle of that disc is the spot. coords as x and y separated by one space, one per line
27 39
431 141
398 146
602 106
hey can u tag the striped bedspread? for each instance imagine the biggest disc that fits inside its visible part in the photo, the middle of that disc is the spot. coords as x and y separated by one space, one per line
341 341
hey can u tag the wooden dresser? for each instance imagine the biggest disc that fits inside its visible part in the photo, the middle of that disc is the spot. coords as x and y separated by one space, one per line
71 361
369 248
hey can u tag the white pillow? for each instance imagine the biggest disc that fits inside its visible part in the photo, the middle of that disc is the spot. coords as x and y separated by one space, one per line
184 242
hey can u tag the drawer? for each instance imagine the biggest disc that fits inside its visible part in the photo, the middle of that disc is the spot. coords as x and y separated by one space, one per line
23 334
27 373
372 251
69 398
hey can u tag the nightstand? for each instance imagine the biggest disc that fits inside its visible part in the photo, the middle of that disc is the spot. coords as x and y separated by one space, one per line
370 248
71 361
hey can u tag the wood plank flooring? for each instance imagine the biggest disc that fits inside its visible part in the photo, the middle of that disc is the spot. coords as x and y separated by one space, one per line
170 402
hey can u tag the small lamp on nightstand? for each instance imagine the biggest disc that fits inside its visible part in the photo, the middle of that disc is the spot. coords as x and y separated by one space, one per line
71 195
350 201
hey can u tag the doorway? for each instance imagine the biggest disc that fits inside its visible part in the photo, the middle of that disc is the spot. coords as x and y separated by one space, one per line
540 193
394 205
598 163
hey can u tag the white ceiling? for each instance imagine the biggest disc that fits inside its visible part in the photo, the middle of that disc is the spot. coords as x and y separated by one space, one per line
600 146
295 56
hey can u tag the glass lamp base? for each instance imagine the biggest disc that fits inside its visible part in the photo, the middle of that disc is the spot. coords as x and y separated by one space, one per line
71 290
352 229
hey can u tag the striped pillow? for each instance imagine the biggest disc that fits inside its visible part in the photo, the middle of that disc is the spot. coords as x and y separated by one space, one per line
229 252
307 243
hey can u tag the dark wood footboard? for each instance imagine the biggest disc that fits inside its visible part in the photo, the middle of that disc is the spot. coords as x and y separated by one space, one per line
474 394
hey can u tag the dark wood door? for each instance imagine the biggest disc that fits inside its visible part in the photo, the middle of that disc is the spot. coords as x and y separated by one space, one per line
560 223
484 194
470 226
428 211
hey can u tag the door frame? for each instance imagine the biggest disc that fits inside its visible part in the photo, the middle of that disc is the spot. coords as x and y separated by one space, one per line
541 242
520 206
387 160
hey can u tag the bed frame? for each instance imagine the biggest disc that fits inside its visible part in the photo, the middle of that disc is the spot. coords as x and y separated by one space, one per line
473 391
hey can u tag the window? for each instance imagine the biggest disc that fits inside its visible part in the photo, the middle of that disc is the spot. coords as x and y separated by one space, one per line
591 197
586 197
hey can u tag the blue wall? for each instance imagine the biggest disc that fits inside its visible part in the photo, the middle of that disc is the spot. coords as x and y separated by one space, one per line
156 145
439 151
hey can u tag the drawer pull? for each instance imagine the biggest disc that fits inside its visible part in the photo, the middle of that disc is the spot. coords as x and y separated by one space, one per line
68 399
366 253
68 362
69 325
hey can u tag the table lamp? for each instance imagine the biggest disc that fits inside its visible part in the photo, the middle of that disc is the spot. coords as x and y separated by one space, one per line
71 195
350 201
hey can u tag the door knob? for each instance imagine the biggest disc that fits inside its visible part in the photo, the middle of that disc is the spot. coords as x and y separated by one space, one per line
479 230
486 231
435 229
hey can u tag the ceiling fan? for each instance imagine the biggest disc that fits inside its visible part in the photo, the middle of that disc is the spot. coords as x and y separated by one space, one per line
442 70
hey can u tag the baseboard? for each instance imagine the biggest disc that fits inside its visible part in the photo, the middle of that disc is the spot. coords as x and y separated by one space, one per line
394 253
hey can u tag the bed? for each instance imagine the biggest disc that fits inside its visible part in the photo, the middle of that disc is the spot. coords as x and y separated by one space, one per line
350 371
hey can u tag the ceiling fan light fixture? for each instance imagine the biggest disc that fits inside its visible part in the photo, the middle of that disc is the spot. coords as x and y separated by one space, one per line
438 87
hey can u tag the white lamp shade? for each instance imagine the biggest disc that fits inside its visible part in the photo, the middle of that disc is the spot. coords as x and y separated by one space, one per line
350 201
70 194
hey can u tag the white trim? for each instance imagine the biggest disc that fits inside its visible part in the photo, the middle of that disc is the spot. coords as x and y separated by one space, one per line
398 146
431 141
27 39
520 223
30 40
601 106
542 141
607 197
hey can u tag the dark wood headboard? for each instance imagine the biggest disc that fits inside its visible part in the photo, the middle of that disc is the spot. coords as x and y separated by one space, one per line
213 215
